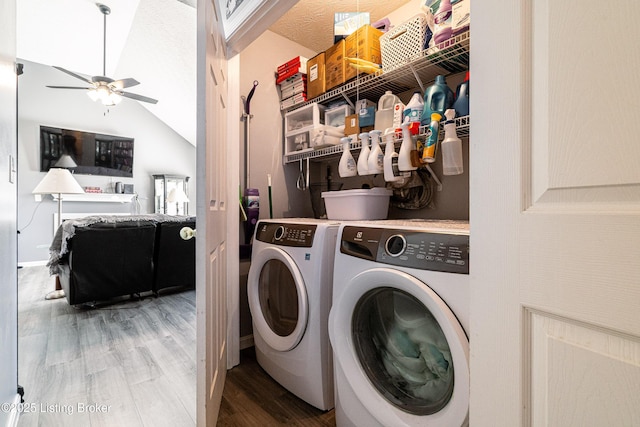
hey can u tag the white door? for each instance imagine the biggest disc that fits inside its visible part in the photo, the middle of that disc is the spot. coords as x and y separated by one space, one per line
555 213
211 215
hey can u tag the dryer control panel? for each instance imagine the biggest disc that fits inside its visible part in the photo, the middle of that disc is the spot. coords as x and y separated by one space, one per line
299 235
433 251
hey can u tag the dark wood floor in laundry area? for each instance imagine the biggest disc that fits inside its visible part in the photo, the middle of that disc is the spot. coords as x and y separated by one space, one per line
139 358
252 398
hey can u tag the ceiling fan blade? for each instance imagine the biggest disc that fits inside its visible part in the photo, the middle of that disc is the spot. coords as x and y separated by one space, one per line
70 87
138 97
125 83
71 73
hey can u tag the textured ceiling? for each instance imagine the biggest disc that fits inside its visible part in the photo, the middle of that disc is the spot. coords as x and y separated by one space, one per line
310 22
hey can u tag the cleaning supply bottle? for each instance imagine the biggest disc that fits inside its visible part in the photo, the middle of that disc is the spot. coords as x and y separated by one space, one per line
429 152
363 158
407 146
376 158
252 209
413 110
391 171
452 163
346 166
461 104
442 20
437 98
384 115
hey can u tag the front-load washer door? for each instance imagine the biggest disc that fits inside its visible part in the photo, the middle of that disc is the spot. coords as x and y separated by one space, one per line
277 299
405 355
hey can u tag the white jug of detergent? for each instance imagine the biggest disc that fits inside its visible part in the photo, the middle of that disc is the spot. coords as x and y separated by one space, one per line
376 158
413 110
384 114
363 158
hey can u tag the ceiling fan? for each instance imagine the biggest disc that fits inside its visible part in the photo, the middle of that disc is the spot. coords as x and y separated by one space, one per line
105 89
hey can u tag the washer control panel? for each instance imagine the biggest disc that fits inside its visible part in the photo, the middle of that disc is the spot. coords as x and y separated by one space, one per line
436 251
299 235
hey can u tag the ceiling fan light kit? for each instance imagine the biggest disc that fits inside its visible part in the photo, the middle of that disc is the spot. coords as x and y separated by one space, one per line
104 89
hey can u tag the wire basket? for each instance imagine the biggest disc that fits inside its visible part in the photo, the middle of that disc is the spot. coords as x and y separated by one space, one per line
403 43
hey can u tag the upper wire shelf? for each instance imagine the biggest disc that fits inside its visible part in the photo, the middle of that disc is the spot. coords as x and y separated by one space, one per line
449 57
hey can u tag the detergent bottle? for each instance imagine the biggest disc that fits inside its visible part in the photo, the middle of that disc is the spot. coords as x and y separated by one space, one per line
363 158
376 158
413 110
461 104
452 163
442 22
407 146
384 115
347 166
437 98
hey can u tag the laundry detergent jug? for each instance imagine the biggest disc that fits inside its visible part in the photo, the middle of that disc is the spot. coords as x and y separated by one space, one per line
437 98
384 115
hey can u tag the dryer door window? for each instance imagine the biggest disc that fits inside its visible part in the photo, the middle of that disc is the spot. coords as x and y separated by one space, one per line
403 350
277 299
278 296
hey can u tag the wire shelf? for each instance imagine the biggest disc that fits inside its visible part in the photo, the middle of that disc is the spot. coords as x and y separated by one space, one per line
462 130
451 56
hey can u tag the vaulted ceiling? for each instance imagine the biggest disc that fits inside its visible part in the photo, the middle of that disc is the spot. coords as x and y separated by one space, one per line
154 41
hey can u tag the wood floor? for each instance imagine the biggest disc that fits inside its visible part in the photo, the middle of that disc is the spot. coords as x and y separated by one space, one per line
134 360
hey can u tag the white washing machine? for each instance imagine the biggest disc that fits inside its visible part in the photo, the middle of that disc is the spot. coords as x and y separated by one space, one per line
289 290
399 323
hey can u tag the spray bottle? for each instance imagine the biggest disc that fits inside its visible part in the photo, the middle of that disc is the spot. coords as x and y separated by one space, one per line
391 171
376 158
407 146
429 152
452 163
347 165
363 158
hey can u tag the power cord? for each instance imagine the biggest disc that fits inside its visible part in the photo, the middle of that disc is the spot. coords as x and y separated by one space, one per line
32 216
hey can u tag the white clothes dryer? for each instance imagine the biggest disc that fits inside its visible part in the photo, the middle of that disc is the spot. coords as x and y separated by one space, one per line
397 324
289 290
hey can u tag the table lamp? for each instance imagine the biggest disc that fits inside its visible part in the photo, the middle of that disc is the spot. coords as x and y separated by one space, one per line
177 195
58 181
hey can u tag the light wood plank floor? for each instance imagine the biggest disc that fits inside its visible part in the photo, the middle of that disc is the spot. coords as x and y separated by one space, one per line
136 360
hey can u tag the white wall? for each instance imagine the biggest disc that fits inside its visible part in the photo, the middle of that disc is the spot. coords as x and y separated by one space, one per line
157 149
259 61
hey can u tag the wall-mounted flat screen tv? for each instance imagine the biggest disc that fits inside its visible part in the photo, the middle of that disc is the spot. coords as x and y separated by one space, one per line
92 153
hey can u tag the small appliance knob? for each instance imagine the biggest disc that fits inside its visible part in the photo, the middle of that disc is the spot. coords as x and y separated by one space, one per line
395 245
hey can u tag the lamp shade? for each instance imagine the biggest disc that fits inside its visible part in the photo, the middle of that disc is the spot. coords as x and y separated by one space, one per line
58 181
177 195
66 161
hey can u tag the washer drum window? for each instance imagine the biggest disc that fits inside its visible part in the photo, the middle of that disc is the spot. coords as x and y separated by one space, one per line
403 351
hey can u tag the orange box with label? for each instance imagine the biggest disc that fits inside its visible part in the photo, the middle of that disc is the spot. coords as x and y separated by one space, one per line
364 43
334 65
316 76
